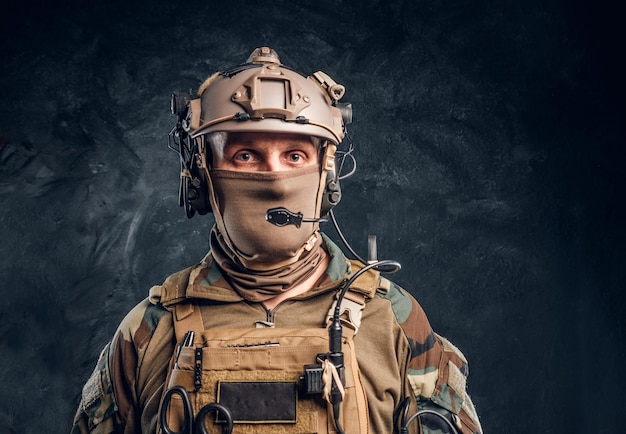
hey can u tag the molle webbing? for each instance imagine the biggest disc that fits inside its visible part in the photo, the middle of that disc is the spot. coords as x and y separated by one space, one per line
220 357
273 359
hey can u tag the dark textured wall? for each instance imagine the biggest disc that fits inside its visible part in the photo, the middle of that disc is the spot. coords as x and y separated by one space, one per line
489 137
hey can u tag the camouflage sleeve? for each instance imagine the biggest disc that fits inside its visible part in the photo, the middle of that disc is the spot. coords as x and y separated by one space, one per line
437 371
112 398
97 405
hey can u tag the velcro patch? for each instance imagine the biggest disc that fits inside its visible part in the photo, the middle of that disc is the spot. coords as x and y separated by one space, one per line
92 390
456 380
251 402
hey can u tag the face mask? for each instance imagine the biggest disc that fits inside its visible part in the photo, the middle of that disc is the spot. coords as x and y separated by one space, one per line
242 201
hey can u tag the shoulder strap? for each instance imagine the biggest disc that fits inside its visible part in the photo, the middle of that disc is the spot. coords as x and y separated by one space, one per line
172 295
367 283
187 317
173 290
356 297
351 310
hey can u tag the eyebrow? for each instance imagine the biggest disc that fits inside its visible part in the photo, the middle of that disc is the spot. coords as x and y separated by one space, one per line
290 144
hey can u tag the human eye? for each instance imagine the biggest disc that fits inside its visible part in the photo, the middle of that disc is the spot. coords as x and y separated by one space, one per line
295 157
243 156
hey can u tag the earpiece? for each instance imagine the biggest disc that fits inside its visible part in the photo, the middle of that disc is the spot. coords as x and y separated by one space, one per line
332 193
193 190
196 189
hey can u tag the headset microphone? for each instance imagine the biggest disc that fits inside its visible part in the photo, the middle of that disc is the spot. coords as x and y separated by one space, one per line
283 217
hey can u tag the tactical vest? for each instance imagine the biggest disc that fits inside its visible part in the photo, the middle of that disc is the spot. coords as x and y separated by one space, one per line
261 374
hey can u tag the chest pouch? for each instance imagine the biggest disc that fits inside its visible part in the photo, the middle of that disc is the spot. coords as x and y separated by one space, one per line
259 376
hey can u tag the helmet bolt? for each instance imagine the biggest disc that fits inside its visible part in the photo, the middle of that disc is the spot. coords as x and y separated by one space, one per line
306 98
237 95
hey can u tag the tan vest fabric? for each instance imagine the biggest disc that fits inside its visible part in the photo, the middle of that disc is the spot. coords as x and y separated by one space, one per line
267 359
398 354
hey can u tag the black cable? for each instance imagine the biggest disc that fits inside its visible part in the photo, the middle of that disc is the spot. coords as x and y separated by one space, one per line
342 157
343 239
336 418
400 414
394 266
404 429
335 332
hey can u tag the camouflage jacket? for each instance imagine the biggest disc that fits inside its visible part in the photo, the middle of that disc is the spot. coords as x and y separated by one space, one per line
398 353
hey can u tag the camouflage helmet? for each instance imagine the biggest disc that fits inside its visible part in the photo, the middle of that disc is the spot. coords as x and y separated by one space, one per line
262 95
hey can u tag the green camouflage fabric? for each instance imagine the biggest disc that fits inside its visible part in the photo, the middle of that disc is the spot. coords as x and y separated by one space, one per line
398 353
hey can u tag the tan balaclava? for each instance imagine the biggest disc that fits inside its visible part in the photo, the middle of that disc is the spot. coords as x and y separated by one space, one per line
261 256
243 200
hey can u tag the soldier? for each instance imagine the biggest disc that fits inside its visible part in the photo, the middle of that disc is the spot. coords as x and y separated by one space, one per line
274 331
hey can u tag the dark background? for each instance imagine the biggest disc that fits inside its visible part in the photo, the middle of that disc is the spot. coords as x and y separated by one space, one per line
489 137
